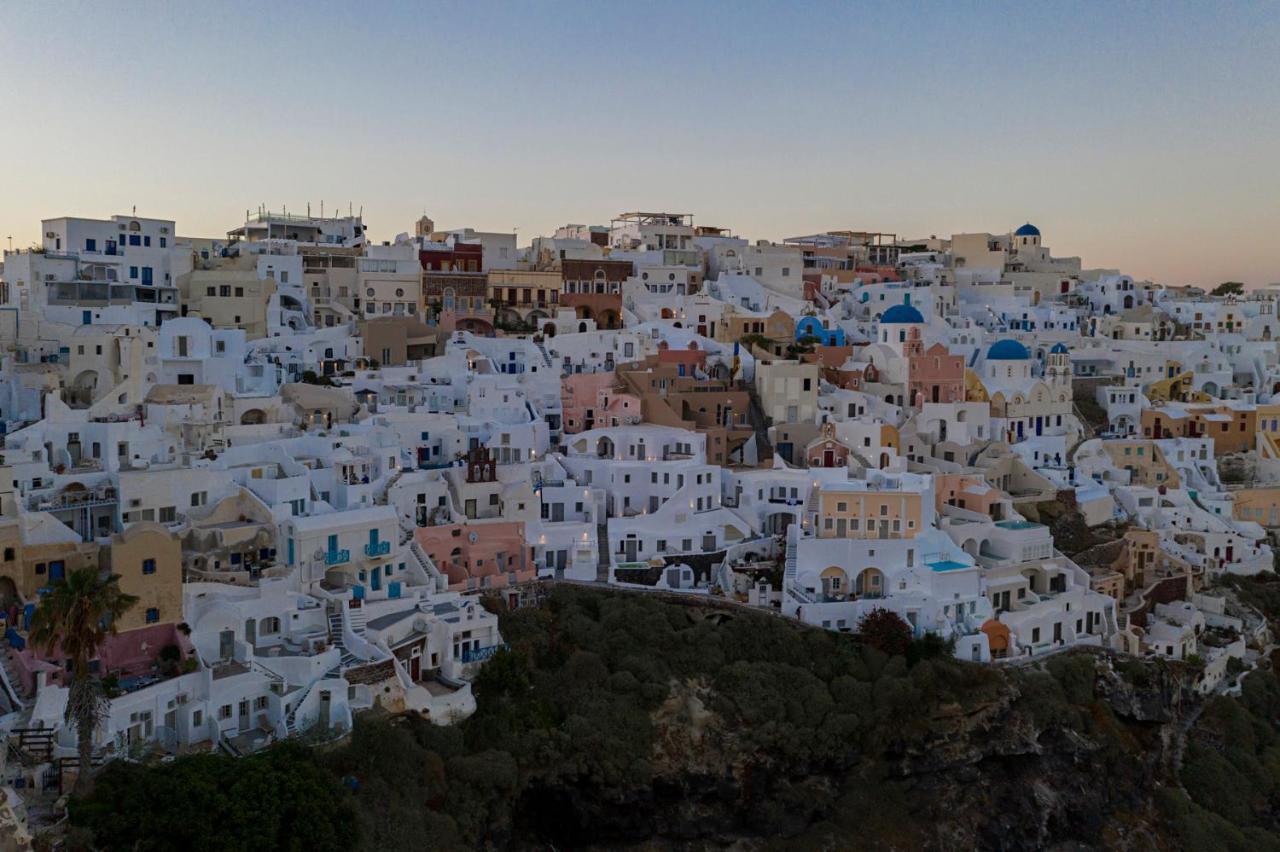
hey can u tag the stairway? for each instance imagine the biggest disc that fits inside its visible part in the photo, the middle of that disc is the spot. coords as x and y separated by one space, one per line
789 570
546 356
602 553
291 721
760 423
12 683
335 638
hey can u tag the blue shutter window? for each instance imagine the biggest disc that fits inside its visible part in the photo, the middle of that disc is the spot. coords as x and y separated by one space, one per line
133 272
146 241
153 615
148 566
90 244
162 242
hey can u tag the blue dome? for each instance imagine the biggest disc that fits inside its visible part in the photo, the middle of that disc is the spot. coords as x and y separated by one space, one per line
901 313
1059 349
1027 230
1007 350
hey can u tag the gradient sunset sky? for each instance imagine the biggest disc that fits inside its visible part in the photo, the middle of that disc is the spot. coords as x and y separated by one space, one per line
1144 136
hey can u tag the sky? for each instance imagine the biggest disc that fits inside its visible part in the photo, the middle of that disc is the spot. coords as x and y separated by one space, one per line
1139 136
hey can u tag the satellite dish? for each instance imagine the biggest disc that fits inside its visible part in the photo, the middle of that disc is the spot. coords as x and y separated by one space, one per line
471 537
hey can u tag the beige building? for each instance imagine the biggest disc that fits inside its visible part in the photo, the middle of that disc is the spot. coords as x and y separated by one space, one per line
148 560
788 390
389 282
229 296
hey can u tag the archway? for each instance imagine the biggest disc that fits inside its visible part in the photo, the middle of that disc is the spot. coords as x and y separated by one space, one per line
835 582
870 583
253 417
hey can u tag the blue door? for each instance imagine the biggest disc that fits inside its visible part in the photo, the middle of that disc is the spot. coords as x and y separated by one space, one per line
57 570
333 544
290 562
393 588
86 317
146 275
375 579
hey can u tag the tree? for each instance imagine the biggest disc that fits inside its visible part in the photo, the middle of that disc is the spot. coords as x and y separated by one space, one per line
73 620
885 631
1228 288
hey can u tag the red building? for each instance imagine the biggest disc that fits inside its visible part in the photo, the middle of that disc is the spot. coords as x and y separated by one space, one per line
463 257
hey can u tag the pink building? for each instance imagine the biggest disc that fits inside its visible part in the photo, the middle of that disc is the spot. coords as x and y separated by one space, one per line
686 360
933 374
489 555
590 402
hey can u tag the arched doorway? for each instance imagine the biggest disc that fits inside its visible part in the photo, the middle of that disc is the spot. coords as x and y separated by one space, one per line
253 417
870 583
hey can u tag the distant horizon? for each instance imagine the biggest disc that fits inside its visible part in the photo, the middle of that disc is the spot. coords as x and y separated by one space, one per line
1137 136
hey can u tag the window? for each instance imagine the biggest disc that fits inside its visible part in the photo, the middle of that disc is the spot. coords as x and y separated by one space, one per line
153 615
8 554
224 712
164 243
149 566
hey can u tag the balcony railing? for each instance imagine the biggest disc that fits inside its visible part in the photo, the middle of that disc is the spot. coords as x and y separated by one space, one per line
337 557
377 548
479 655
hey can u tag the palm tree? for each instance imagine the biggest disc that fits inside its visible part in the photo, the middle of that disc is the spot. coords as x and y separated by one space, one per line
72 621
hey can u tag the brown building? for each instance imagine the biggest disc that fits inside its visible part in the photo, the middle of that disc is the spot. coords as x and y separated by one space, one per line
1233 428
716 408
595 276
459 300
395 341
518 295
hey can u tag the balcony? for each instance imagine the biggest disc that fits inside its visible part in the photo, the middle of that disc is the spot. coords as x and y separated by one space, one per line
337 557
377 548
479 655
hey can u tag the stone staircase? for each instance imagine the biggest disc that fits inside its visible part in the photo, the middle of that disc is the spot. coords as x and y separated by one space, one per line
546 356
335 638
602 553
291 721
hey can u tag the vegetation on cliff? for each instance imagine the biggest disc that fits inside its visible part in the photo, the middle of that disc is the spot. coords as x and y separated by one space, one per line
619 719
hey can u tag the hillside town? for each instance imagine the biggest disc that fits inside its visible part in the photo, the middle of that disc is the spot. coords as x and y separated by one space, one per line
323 464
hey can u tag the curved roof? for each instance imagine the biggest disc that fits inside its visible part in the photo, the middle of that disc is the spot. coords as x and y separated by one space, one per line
1027 230
1007 350
1059 348
902 313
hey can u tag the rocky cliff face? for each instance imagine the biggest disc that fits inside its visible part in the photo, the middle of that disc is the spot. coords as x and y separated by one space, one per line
1034 766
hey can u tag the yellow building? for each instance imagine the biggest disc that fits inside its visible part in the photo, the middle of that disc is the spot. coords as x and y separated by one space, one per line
521 295
859 511
148 560
1145 462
